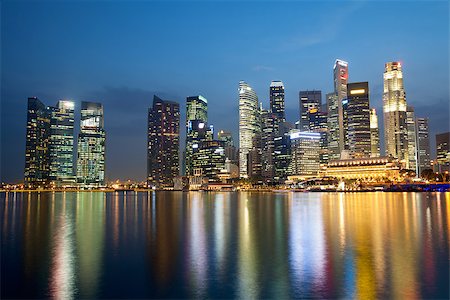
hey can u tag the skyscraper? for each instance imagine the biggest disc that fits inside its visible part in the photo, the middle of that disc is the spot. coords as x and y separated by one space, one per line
357 120
394 107
37 167
196 127
163 142
230 150
443 151
209 159
276 94
318 123
374 134
334 152
61 143
308 100
340 76
305 160
269 129
91 146
412 138
423 145
248 123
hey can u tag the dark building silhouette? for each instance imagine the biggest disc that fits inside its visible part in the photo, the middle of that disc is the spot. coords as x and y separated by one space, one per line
37 160
163 142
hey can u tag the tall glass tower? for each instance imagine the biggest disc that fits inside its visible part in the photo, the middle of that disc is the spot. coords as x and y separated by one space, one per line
412 138
276 94
334 151
248 123
61 143
423 145
37 166
196 128
163 142
357 120
394 108
374 134
91 146
340 76
308 100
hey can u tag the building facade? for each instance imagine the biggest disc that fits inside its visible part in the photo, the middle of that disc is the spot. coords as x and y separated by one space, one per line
308 100
374 134
305 159
196 127
443 152
340 78
394 109
356 114
61 143
91 146
209 160
249 124
318 123
276 96
37 159
412 138
423 145
163 143
334 151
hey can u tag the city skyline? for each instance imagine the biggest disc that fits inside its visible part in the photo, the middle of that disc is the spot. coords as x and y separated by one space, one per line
121 121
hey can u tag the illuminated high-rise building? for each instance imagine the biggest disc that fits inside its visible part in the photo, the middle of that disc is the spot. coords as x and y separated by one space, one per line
305 160
61 143
356 120
308 100
334 151
248 123
196 128
412 138
318 123
394 109
37 166
91 146
374 134
209 159
340 76
163 142
443 151
423 145
276 94
230 150
269 129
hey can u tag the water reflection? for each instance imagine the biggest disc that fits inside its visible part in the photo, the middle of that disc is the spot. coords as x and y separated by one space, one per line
224 245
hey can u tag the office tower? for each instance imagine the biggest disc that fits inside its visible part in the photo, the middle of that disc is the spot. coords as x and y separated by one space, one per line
318 123
61 143
340 74
356 120
412 134
276 92
254 159
334 151
196 127
230 150
91 146
305 160
196 109
37 167
423 145
248 123
269 129
163 142
443 151
374 134
394 107
308 100
282 152
209 159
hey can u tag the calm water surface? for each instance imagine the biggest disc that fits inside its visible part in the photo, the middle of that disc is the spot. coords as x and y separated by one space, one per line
224 245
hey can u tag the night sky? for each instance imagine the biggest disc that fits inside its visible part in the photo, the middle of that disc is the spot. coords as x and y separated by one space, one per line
120 53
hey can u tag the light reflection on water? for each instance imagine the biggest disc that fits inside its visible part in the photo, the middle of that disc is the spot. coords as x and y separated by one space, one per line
224 245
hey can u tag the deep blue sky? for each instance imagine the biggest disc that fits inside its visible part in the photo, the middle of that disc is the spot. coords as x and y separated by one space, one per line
120 53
